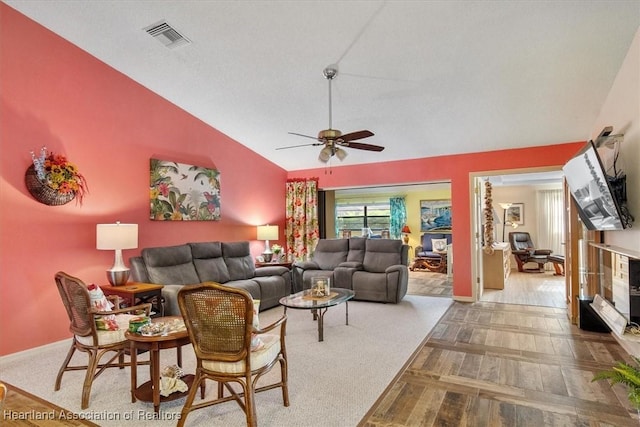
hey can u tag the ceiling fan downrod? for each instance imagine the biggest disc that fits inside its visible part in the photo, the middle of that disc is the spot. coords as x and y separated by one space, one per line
330 73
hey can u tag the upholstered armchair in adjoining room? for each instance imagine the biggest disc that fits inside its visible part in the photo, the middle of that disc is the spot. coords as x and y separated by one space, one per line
524 251
428 241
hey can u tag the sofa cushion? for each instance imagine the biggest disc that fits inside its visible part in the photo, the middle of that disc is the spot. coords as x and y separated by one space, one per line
210 266
357 246
329 253
381 254
170 265
237 257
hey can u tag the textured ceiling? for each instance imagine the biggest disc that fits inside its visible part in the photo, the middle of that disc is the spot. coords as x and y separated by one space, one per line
428 78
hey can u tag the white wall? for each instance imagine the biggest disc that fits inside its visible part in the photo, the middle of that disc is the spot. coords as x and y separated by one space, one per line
622 111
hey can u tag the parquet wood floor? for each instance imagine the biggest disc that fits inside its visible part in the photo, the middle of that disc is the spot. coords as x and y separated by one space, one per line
496 364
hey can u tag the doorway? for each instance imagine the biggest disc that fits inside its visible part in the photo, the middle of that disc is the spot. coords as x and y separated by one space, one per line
538 196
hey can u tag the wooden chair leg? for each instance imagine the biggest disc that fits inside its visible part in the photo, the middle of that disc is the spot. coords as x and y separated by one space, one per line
190 398
64 366
250 403
88 378
285 382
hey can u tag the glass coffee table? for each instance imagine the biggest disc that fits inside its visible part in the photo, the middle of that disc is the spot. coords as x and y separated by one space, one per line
319 305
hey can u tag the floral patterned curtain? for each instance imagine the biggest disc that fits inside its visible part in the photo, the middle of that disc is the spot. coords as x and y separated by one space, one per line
301 221
398 216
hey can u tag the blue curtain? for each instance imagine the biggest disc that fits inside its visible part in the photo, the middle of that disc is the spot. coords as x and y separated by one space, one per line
398 216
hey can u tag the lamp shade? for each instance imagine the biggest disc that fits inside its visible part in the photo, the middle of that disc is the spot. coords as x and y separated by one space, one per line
267 232
406 229
116 236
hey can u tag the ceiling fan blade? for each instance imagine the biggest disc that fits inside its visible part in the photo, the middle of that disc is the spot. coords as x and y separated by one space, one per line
301 145
356 135
305 136
361 146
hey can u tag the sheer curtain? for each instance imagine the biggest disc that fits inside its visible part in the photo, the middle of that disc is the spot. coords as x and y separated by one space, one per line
550 227
398 208
301 217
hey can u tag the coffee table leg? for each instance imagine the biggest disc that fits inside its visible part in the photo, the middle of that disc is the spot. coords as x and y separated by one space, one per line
346 311
320 314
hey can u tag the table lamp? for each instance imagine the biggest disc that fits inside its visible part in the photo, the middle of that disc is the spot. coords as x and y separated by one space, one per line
406 231
266 233
117 237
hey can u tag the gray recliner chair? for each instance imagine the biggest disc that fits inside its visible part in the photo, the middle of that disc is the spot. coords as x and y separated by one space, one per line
524 251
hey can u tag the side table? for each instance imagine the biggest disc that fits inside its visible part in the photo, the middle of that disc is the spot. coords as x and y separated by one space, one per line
150 391
134 293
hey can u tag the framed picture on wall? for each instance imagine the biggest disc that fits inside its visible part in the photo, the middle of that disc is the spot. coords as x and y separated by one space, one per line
515 214
435 215
181 192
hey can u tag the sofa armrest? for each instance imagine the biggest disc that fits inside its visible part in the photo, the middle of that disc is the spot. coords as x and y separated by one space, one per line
271 270
393 268
306 265
351 264
343 274
417 251
297 272
170 295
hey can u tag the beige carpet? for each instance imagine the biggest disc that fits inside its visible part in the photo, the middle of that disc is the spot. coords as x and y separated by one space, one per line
331 383
425 283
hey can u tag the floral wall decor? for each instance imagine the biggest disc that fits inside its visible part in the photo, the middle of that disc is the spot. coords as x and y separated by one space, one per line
181 192
53 180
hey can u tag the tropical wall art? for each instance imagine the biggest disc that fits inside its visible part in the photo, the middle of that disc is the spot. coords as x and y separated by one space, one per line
435 215
181 192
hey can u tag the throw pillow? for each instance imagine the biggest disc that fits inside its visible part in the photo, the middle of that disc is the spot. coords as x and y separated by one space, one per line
98 300
256 342
439 245
100 303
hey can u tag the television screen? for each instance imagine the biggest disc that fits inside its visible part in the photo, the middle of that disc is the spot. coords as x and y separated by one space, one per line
597 206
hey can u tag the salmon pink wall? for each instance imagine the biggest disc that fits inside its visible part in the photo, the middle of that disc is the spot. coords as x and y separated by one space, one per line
457 170
58 96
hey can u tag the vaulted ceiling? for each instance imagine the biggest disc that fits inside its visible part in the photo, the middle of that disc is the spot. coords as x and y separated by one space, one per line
428 78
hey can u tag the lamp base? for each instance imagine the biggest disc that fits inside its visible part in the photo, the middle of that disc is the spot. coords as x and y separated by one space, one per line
118 277
406 239
268 256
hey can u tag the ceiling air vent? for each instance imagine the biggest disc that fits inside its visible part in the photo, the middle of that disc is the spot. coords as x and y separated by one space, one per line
167 35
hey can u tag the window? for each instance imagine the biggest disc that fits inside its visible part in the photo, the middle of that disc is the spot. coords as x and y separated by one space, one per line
354 216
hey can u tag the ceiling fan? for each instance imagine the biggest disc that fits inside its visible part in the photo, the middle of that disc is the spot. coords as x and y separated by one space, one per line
333 139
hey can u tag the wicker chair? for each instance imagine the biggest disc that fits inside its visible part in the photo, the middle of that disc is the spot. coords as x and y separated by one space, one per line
87 338
220 321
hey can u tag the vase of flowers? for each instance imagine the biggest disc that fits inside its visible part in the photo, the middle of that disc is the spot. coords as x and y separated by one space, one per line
277 251
53 180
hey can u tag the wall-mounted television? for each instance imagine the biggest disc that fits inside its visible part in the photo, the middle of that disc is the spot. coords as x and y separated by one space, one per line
591 189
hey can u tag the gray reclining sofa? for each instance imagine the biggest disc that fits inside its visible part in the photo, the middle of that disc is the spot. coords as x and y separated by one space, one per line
375 269
228 263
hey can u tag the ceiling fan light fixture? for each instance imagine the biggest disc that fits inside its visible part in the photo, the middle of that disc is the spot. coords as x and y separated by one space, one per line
341 154
325 155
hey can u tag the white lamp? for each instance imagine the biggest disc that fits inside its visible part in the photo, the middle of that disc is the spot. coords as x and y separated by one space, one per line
266 233
117 237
